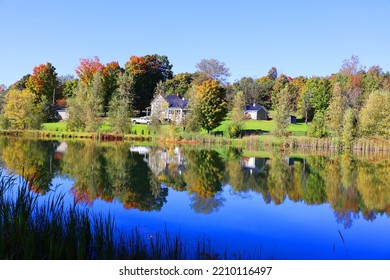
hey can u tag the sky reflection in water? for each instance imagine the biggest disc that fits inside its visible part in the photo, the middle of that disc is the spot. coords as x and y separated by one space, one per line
270 206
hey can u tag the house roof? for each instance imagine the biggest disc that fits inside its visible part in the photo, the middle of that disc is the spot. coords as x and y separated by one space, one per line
254 108
176 102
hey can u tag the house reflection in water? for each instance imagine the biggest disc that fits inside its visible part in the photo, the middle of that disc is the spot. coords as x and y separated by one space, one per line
159 159
254 164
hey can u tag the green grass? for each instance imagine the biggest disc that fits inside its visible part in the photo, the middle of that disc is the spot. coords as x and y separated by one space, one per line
298 129
106 127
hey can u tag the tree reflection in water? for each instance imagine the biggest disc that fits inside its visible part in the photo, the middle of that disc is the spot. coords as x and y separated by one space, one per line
352 185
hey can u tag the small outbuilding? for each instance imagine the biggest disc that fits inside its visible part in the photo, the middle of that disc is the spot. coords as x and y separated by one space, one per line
292 119
255 112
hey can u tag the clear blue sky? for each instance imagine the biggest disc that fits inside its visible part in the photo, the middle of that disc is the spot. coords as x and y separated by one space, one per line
309 38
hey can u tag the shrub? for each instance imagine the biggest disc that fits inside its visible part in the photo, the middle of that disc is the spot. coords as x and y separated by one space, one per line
317 127
234 130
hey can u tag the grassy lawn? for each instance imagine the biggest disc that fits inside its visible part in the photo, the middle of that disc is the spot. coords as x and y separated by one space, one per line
105 128
298 129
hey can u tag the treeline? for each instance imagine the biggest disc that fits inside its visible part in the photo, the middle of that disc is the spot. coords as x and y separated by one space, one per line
343 105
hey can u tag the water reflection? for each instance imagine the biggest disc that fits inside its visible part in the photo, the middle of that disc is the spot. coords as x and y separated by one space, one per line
140 177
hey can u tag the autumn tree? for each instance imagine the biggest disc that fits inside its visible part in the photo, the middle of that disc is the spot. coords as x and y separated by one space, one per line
121 105
88 67
212 104
373 80
351 78
24 109
374 117
147 71
214 69
43 83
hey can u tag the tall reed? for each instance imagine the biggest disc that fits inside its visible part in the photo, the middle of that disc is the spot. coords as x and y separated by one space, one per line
34 228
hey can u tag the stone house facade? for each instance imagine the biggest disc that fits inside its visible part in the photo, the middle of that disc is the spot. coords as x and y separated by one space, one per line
169 107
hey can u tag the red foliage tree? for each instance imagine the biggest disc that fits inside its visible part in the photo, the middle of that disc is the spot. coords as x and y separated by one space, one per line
88 67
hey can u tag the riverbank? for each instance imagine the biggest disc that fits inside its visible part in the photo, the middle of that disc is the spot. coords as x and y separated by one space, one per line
300 143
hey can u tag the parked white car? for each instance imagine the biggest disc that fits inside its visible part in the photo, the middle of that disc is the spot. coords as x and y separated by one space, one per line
143 120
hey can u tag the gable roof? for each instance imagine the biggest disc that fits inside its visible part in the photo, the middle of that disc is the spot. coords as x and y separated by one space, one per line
176 102
254 108
173 101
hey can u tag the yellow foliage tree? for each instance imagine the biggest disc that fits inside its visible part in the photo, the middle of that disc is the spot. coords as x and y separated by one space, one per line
23 109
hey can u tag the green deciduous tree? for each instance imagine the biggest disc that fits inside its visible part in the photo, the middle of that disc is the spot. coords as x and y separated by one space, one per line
237 115
282 112
179 84
251 90
317 128
121 105
110 74
335 112
147 71
20 84
280 84
349 127
192 118
86 106
320 91
212 104
304 107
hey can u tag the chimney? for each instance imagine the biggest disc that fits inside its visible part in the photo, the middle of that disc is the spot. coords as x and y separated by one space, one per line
254 104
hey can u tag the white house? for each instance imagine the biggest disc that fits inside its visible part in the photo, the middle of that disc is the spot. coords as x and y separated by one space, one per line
255 112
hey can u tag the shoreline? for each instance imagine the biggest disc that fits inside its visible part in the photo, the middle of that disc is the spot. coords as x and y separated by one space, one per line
293 143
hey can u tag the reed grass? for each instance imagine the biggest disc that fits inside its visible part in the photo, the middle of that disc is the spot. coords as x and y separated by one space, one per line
32 228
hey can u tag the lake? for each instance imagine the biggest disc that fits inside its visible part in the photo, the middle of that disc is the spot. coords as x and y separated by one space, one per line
247 204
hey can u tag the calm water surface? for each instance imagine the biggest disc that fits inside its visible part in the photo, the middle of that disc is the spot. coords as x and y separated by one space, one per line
265 204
